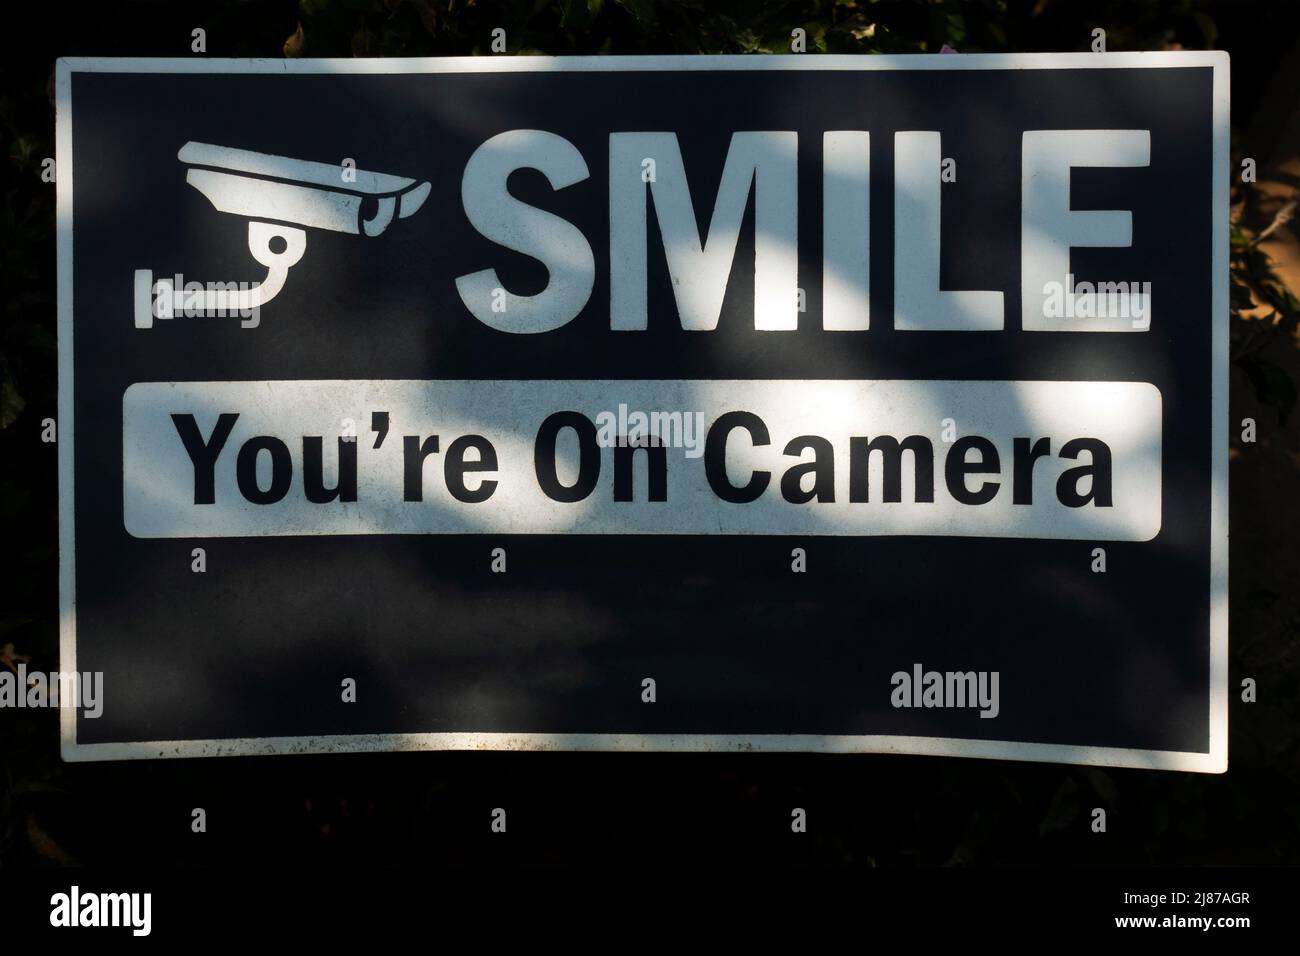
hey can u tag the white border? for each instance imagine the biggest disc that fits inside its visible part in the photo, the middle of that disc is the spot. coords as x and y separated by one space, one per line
1216 761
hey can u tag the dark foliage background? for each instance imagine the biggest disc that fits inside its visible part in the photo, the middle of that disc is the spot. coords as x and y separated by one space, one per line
874 810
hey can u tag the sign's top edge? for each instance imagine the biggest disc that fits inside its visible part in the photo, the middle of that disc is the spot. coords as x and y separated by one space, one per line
617 63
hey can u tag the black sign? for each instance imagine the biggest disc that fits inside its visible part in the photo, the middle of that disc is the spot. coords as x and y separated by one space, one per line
786 403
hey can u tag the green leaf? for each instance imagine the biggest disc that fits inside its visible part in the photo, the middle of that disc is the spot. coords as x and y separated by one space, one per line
11 402
1273 386
1240 296
1101 784
956 28
643 10
1209 31
1063 809
294 43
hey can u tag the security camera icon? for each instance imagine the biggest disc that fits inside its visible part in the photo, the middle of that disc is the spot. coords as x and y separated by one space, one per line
281 198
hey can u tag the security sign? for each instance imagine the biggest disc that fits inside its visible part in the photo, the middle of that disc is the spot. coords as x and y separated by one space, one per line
821 403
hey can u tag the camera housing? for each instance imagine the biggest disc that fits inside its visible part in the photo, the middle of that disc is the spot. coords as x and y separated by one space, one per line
281 198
